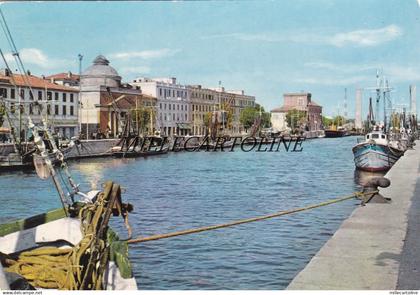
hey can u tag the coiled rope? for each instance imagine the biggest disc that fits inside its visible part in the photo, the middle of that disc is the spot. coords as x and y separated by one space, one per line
76 268
358 195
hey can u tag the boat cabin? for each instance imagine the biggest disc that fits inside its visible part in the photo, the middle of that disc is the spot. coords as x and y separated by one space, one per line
377 136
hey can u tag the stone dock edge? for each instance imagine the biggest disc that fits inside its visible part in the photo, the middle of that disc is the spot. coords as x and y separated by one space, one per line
377 246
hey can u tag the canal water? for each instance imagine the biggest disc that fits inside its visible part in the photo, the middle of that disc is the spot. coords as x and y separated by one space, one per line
190 189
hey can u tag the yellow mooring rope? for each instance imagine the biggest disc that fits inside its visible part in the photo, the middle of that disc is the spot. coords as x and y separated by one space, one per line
248 220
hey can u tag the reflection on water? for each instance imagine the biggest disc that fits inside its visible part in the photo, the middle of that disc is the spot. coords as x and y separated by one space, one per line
94 169
362 177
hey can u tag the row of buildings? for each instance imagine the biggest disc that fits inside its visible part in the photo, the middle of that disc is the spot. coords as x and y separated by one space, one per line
97 101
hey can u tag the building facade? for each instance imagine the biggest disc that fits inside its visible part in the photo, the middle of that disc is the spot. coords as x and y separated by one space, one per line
237 100
205 100
301 102
173 104
58 103
105 102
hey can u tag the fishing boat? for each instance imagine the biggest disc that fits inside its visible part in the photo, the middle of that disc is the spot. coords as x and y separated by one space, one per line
376 152
380 148
136 146
335 132
136 152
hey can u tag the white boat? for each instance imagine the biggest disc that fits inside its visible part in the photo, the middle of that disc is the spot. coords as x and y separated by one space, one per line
54 231
376 152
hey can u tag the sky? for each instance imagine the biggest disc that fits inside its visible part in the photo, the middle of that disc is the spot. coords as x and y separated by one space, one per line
266 48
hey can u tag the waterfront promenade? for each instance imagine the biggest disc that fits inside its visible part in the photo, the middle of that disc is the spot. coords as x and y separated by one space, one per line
377 247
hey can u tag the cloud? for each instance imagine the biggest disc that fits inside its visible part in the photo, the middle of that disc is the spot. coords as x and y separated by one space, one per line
400 73
396 72
340 81
264 37
347 74
35 56
366 38
357 38
145 54
343 68
135 70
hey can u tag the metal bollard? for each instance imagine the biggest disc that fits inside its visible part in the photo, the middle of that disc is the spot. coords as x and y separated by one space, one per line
371 186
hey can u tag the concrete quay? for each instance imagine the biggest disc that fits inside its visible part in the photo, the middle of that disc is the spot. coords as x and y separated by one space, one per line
378 246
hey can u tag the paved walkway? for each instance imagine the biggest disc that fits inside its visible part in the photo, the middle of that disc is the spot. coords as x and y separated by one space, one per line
369 251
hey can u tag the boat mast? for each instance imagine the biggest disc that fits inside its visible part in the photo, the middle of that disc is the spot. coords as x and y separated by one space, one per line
378 93
345 104
137 117
16 144
384 95
371 117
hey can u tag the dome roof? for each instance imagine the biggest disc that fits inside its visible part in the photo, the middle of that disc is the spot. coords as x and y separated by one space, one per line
101 68
100 74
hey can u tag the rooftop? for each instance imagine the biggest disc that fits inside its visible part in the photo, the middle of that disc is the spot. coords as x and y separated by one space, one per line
34 82
64 76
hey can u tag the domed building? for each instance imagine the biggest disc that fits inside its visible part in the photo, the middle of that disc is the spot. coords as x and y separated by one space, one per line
105 101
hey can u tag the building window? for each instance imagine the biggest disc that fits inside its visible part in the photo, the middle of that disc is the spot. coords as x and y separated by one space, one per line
56 109
49 95
12 93
177 106
31 109
160 106
169 106
160 92
48 109
56 96
64 97
164 106
39 95
186 117
71 111
31 95
173 116
3 92
71 97
64 111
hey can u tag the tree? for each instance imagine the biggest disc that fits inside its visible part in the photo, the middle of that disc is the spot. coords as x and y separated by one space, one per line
326 121
207 119
141 116
248 116
265 116
295 119
339 120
